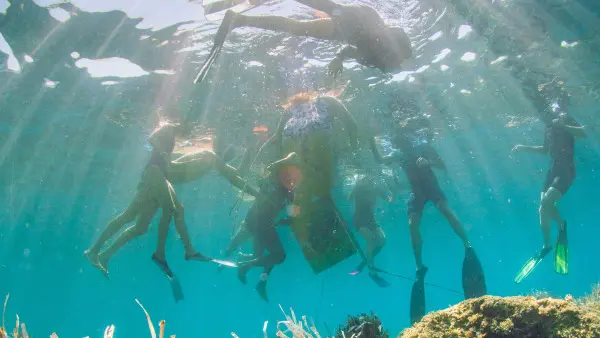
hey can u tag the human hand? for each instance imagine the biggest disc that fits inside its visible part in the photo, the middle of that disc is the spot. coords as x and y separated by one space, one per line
335 67
422 162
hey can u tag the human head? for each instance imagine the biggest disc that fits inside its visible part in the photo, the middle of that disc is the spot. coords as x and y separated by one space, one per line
163 137
399 47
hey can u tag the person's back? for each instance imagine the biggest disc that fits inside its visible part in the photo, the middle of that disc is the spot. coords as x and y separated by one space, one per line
412 147
561 146
267 206
365 196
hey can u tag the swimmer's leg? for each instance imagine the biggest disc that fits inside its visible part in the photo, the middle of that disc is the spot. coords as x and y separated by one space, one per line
326 6
319 28
454 222
165 194
128 216
159 256
231 174
549 211
379 242
140 228
270 241
241 235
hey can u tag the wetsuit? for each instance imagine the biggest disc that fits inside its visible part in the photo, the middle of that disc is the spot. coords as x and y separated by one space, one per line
261 218
423 182
561 146
359 26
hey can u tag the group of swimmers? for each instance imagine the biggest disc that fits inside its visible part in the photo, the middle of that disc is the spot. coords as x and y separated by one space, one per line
299 185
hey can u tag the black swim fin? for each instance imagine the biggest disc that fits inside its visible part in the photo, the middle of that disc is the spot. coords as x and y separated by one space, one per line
261 288
473 278
417 301
176 289
219 40
531 264
164 267
382 283
561 252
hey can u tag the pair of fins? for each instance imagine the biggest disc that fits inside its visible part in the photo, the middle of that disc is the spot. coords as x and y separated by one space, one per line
473 282
561 257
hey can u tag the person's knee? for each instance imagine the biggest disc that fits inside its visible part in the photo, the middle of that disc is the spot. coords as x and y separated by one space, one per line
128 215
381 240
413 223
140 229
178 213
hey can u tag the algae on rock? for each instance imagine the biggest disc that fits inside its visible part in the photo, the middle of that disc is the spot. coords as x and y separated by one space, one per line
523 317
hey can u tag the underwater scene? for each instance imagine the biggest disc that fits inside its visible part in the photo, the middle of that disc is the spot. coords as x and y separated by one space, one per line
299 168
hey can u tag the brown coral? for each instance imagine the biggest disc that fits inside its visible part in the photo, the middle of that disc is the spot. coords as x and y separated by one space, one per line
497 317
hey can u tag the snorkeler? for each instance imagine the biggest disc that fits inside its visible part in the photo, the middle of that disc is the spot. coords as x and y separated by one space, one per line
156 191
370 41
261 226
417 158
365 194
306 129
559 143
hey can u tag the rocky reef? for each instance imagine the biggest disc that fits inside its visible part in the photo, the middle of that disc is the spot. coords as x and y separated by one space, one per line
522 317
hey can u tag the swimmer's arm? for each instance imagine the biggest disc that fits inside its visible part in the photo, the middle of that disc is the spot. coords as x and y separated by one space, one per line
351 194
276 138
434 159
395 188
340 111
531 149
348 52
230 173
221 5
377 154
576 131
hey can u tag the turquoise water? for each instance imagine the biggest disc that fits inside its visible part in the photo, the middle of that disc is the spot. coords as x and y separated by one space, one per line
73 142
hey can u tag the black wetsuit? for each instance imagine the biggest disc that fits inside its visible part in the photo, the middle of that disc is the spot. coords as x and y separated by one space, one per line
355 25
423 182
365 196
561 146
261 218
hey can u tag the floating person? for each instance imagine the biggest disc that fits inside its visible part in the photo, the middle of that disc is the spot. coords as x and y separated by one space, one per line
156 191
260 224
370 41
417 158
365 194
306 129
559 143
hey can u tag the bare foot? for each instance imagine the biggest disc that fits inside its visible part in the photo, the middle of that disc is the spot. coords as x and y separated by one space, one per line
94 259
103 264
